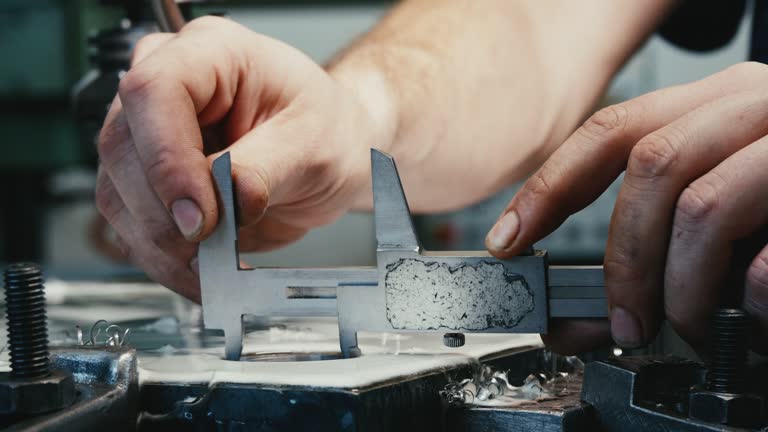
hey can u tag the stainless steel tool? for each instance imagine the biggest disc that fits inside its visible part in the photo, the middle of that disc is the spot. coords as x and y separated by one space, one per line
409 289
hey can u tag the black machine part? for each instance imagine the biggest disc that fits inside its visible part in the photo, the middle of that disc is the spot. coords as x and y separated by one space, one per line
106 392
654 393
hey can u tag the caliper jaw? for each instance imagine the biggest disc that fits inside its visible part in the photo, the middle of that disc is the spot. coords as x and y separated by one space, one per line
437 291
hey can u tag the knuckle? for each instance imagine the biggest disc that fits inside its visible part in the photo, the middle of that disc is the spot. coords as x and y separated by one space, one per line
109 140
162 232
253 193
107 200
617 266
757 275
163 168
320 167
145 44
539 185
205 22
750 69
655 155
610 119
136 82
114 141
698 202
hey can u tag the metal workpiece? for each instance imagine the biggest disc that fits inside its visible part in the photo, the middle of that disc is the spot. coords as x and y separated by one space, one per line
446 293
409 289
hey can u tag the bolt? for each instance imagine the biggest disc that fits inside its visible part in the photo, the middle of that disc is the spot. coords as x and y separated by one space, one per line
725 399
27 330
729 351
31 387
453 340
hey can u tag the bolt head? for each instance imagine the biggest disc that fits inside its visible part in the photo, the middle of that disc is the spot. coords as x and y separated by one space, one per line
743 409
36 396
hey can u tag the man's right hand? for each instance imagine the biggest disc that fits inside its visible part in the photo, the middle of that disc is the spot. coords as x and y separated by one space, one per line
299 143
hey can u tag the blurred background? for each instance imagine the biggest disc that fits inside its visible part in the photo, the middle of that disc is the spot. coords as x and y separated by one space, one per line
59 67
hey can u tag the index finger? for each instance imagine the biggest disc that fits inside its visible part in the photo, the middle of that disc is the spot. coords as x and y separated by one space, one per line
163 97
591 159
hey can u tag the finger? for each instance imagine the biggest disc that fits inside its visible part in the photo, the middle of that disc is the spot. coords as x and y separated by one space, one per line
297 189
720 207
756 299
158 265
148 44
660 166
162 97
120 161
569 337
594 155
268 234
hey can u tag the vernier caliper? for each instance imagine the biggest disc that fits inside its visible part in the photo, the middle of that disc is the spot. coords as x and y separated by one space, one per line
409 289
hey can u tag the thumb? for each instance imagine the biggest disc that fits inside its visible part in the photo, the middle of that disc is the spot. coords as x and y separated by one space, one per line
268 165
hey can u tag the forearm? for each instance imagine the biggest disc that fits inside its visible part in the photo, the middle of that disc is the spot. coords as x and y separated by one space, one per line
469 96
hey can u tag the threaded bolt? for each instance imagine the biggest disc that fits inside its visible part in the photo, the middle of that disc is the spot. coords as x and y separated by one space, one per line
27 328
453 340
729 353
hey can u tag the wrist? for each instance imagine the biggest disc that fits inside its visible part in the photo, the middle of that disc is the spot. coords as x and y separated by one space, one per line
375 99
370 88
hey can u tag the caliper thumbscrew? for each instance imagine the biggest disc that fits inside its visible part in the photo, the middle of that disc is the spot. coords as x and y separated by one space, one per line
27 329
453 340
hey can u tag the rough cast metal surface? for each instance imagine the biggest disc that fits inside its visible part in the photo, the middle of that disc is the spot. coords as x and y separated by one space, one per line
424 294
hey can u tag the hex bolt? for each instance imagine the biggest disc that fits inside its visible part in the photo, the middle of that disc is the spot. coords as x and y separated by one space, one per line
453 340
31 387
729 351
27 328
724 399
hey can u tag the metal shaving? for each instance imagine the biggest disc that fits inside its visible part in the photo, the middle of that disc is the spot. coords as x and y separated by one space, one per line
113 334
491 387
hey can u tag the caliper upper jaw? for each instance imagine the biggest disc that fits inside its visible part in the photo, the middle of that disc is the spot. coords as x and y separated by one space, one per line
219 252
363 307
436 291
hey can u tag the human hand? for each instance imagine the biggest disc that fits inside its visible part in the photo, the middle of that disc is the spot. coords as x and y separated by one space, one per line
695 157
299 143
